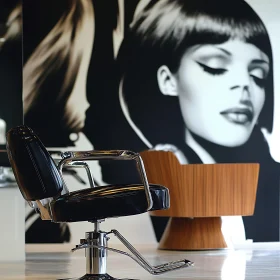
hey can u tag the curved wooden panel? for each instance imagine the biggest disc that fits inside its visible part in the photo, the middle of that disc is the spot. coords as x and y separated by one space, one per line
203 190
193 234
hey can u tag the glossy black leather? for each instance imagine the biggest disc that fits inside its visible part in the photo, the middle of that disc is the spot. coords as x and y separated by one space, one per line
106 202
38 178
35 171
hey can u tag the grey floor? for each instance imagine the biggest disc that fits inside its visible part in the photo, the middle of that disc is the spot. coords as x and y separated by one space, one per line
260 263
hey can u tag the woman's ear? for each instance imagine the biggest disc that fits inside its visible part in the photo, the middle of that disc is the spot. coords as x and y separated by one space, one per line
166 81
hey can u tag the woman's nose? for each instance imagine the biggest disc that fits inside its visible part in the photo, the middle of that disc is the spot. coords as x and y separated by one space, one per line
241 81
245 95
244 92
241 86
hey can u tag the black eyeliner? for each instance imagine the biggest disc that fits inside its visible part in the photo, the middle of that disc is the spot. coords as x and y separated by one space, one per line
210 70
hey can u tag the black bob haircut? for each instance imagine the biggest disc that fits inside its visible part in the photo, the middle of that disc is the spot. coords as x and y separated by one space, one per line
159 35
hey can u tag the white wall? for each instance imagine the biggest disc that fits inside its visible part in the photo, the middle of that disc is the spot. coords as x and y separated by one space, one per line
12 225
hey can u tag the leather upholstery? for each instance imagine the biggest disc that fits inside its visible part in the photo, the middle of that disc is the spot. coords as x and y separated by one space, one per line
106 202
38 178
35 171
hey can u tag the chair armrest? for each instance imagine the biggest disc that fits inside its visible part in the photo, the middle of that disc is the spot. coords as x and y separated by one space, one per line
68 157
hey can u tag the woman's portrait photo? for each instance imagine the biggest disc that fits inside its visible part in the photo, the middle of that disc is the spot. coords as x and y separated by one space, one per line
198 76
192 76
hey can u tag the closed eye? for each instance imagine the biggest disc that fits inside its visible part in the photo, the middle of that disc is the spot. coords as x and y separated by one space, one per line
210 70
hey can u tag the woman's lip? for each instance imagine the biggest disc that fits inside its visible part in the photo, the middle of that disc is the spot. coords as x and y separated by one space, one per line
239 115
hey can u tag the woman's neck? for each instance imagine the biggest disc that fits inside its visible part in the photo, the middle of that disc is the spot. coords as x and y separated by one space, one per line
198 149
254 150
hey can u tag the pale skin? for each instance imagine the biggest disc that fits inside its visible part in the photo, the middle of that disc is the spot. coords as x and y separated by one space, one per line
221 92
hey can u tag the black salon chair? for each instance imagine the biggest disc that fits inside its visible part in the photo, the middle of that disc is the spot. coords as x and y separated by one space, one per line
41 183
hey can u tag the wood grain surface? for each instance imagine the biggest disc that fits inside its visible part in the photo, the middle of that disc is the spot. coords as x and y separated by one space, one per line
203 190
193 234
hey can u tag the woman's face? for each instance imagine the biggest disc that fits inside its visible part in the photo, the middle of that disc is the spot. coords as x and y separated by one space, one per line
221 90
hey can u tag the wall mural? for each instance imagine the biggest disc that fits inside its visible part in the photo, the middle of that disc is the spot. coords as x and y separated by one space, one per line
139 74
10 74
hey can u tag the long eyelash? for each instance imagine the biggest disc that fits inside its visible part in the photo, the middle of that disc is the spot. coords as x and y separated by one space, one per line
210 70
259 81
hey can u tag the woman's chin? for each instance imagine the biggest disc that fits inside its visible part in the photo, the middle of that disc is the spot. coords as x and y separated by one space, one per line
229 136
231 141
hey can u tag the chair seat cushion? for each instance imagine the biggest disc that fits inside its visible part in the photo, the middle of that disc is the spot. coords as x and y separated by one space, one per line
108 201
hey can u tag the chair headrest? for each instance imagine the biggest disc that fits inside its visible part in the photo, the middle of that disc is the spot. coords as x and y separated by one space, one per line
34 169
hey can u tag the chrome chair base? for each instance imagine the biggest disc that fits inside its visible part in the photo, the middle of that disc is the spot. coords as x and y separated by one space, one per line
95 245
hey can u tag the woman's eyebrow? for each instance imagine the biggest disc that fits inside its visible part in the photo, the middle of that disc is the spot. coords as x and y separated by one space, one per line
224 51
260 61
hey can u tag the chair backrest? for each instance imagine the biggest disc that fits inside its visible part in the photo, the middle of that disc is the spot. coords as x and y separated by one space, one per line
203 190
35 171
